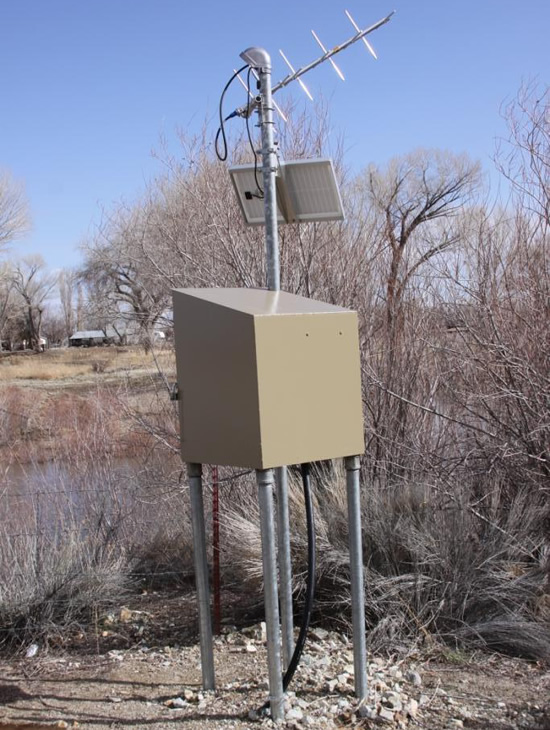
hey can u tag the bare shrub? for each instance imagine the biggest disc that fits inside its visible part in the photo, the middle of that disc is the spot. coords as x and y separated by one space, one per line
62 559
159 537
436 567
52 581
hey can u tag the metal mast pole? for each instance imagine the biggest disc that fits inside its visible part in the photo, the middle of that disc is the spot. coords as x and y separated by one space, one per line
261 61
269 170
201 575
356 578
265 480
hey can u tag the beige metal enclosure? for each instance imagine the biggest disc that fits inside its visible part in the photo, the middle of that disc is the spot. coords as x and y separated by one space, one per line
266 378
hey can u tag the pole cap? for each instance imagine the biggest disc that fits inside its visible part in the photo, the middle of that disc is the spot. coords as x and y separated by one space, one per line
257 58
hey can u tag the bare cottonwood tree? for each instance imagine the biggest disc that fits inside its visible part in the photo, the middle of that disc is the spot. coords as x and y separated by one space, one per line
14 215
67 283
417 198
523 158
113 266
7 305
32 284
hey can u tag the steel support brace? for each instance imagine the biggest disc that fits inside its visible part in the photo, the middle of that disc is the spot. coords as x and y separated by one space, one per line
265 479
285 564
201 575
356 569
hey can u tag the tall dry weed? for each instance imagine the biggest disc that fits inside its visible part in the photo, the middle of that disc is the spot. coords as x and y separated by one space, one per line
437 567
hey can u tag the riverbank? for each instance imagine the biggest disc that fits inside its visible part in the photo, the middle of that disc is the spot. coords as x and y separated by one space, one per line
48 400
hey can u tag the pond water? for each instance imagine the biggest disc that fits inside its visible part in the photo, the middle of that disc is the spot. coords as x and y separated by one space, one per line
56 495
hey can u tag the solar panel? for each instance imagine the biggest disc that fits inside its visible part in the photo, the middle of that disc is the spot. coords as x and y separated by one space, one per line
307 191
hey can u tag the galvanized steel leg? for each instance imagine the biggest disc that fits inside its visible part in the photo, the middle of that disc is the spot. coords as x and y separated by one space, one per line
201 575
265 481
357 587
285 565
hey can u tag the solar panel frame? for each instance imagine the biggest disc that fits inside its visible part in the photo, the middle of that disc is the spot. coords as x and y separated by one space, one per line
307 191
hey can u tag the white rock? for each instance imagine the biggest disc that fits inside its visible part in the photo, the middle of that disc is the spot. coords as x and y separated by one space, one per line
385 714
392 700
318 633
251 649
176 702
31 651
414 678
294 714
455 722
411 708
367 712
331 685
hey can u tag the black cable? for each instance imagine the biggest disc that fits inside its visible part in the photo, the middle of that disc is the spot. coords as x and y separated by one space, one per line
310 585
221 130
260 193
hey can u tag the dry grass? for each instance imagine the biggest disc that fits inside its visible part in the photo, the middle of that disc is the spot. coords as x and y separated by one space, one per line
78 531
71 363
433 570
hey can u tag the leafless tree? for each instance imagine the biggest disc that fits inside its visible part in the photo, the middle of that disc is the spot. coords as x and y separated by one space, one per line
417 198
54 326
14 215
113 265
67 283
524 156
32 284
7 304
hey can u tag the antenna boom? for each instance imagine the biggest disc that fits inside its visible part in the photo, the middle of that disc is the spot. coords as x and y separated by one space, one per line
301 71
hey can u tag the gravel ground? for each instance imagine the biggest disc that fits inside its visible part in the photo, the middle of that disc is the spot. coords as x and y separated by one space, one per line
160 688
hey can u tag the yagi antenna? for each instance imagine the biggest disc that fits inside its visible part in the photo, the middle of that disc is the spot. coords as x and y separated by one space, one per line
255 58
295 75
334 66
370 49
327 56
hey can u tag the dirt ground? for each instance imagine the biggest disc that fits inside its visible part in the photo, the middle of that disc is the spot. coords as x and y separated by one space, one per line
152 681
134 691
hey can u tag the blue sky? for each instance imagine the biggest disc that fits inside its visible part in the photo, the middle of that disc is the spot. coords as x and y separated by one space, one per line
88 86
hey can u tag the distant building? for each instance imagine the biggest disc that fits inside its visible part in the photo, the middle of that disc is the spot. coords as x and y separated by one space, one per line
89 338
121 334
